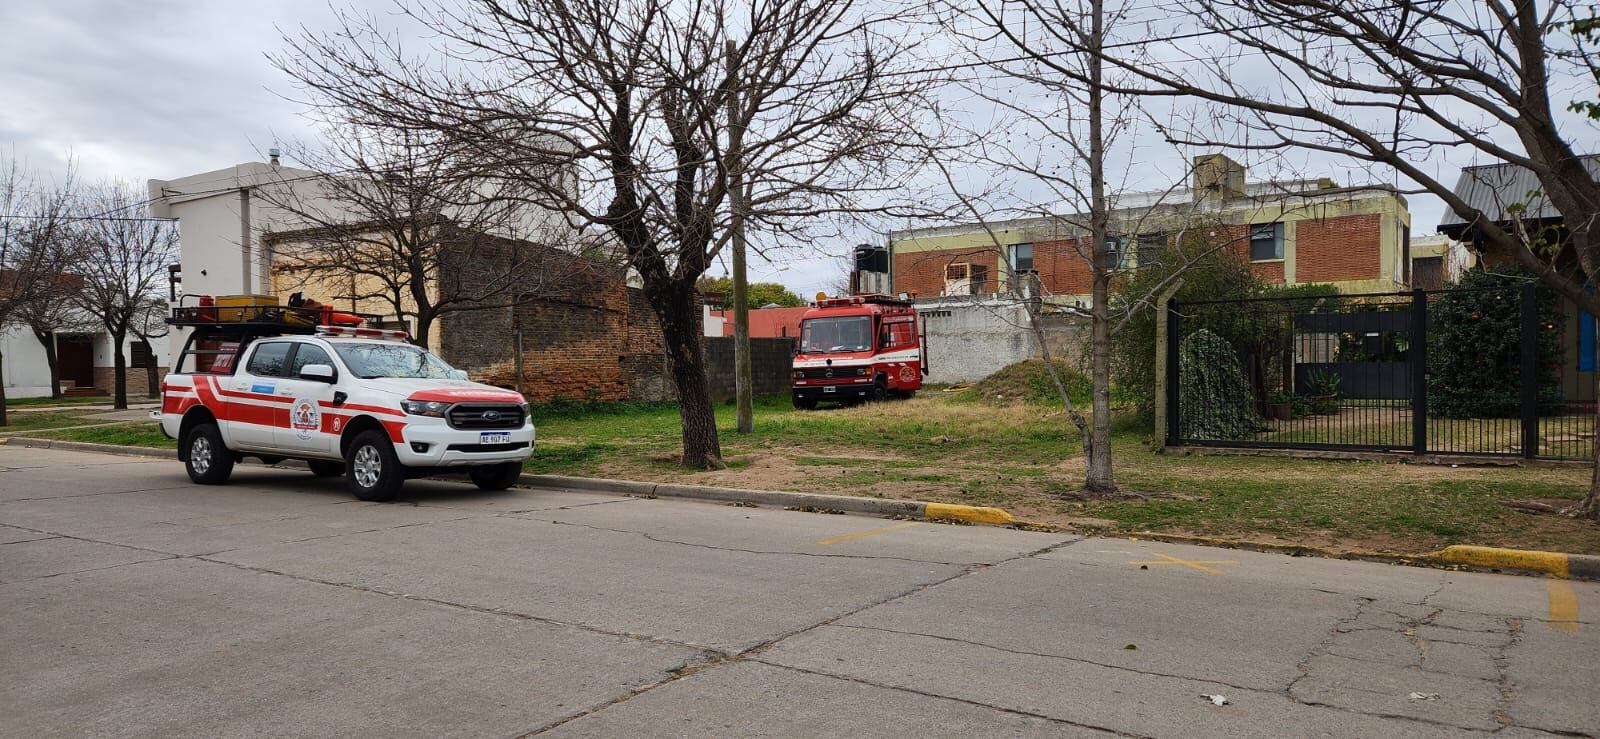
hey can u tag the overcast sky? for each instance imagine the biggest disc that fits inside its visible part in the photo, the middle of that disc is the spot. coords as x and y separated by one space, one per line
166 88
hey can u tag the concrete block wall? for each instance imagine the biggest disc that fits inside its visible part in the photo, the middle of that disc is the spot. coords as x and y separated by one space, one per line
771 362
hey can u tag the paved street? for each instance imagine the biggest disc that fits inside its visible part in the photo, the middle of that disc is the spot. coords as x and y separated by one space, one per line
135 603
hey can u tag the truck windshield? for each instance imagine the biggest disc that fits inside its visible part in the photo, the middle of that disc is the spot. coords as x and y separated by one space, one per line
842 334
391 360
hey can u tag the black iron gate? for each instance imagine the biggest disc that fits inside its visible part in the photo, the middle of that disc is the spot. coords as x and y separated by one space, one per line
1359 372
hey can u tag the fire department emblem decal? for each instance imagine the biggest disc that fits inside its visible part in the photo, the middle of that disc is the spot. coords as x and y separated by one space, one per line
908 373
305 419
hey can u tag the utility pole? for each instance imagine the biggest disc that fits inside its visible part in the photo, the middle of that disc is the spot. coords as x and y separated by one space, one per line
743 386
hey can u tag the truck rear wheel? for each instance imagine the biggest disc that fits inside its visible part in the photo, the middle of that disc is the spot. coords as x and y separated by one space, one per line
496 476
208 460
375 473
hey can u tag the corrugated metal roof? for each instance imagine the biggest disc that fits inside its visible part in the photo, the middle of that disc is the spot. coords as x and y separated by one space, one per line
1492 187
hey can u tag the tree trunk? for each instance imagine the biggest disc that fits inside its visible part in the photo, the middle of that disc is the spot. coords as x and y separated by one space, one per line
1097 474
680 327
152 370
47 339
119 374
3 421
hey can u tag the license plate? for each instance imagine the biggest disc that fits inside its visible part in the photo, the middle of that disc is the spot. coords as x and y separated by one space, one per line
829 389
499 438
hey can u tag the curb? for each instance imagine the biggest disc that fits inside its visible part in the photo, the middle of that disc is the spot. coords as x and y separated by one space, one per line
84 446
804 501
1556 564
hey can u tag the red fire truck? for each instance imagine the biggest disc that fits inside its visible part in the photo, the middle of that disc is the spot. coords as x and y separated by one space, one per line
862 347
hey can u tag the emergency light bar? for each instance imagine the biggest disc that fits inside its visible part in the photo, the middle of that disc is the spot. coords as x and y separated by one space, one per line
363 333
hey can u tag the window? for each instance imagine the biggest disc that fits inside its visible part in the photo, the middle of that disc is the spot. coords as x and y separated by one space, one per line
1021 257
1150 248
1266 242
268 358
369 360
309 354
900 334
139 354
1116 251
843 334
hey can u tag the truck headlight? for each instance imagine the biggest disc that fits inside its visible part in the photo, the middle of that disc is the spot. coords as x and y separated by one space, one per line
861 371
432 408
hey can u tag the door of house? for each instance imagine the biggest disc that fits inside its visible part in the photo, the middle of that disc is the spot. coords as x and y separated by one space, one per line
75 359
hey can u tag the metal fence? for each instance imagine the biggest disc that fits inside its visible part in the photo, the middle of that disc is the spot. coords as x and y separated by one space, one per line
1458 371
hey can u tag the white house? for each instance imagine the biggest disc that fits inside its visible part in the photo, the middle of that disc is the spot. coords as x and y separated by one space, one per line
83 358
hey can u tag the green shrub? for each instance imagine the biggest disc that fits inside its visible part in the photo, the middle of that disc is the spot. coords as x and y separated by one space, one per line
1323 398
1215 400
1474 348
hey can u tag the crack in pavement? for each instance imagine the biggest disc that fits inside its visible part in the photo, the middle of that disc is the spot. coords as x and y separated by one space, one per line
92 495
979 704
1063 657
749 653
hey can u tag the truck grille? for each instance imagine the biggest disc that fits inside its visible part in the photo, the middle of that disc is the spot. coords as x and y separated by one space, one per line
824 373
485 416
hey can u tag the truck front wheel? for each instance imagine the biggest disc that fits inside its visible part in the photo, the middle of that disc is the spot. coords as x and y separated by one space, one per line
805 404
372 469
208 461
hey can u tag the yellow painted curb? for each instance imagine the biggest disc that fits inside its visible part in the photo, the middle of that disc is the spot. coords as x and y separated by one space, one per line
1554 563
972 514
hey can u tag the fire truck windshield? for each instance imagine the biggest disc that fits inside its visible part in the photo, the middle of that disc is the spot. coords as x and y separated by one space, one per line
371 360
842 334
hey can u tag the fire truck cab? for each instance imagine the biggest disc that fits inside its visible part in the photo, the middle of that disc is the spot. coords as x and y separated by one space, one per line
858 348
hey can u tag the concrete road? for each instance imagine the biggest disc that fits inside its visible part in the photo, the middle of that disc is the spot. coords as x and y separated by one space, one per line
135 603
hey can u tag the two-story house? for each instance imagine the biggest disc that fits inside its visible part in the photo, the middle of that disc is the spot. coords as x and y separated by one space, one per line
1292 232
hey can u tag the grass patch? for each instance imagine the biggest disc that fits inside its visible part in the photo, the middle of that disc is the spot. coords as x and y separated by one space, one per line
41 420
141 434
1016 455
74 400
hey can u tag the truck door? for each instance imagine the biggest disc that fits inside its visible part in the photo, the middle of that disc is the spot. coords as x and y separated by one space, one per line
303 432
251 422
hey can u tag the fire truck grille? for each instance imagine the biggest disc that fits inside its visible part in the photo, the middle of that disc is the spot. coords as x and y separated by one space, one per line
485 416
824 373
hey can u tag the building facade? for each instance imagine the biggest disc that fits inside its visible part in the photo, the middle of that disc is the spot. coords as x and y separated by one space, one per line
1292 232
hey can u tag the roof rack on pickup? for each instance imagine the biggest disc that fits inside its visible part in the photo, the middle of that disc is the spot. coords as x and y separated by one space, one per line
258 319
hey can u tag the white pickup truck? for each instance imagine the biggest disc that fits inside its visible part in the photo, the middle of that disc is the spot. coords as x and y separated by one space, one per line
353 401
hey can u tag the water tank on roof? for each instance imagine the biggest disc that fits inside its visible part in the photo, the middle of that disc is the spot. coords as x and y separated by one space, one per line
871 258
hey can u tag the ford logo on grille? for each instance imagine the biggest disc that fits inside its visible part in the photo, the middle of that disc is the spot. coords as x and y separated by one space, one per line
491 415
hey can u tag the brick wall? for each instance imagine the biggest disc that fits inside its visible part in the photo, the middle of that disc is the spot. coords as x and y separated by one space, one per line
922 273
138 380
586 335
771 361
1334 249
1062 269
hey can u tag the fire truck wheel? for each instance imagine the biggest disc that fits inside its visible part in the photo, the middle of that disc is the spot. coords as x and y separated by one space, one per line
208 462
496 476
805 404
879 393
325 468
375 472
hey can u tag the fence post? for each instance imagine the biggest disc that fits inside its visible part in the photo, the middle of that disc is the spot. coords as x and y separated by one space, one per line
1170 387
1529 376
1419 372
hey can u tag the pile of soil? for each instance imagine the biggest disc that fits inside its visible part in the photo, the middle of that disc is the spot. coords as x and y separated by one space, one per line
1029 381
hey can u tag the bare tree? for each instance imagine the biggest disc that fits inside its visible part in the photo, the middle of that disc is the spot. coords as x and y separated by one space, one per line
631 100
124 268
1394 83
34 216
399 220
53 307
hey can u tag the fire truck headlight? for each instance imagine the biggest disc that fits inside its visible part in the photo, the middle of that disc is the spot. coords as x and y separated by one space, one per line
799 374
861 370
432 408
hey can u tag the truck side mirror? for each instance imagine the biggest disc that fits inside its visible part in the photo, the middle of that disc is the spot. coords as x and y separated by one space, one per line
319 373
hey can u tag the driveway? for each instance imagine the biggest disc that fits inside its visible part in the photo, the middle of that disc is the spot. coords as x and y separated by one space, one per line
135 603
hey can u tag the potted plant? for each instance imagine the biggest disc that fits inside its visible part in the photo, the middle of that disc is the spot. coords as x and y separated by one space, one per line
1279 406
1323 387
